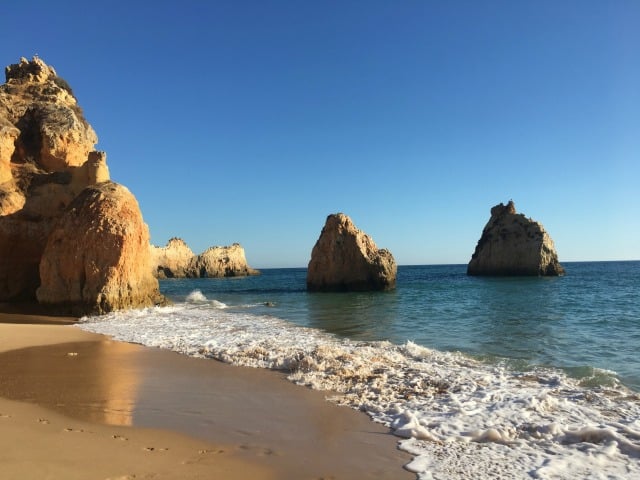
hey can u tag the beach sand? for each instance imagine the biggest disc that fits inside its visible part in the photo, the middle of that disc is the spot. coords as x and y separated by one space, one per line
79 405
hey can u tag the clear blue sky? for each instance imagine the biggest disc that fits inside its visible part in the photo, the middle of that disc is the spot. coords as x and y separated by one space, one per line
251 121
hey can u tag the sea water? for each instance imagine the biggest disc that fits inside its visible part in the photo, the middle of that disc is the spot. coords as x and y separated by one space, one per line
482 377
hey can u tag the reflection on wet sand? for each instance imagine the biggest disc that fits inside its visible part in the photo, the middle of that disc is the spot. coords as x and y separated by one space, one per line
94 381
292 429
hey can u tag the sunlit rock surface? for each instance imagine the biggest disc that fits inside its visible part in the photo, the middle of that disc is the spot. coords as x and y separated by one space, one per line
512 244
347 259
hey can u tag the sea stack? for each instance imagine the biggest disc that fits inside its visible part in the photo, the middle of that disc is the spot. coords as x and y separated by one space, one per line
177 260
47 161
227 261
347 259
512 244
172 260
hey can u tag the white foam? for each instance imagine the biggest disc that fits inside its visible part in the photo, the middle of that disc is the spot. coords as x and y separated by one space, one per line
199 298
461 418
196 297
217 304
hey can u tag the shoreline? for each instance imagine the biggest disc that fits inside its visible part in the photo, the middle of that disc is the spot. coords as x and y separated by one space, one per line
261 425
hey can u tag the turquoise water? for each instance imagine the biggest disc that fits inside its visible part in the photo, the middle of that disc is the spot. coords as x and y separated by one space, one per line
586 323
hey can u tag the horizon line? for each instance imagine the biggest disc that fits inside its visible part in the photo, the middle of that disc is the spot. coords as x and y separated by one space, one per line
458 264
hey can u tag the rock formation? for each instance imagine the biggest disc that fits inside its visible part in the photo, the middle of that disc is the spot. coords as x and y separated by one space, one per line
172 260
512 244
221 262
97 257
176 260
347 259
47 158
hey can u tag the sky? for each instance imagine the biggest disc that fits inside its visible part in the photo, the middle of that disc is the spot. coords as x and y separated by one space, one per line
251 121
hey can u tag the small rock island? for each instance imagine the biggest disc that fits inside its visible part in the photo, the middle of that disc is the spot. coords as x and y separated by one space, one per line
512 244
177 260
347 259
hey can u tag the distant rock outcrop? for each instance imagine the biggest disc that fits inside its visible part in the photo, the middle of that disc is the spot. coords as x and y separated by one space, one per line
97 257
347 259
172 260
512 244
221 262
176 260
47 159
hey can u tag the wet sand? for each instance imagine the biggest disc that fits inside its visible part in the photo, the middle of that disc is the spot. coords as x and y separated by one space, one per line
202 415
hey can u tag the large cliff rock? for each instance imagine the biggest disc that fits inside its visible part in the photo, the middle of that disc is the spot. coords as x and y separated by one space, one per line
176 260
97 257
347 259
512 244
47 159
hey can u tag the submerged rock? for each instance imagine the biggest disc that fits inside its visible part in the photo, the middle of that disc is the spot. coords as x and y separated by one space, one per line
512 244
347 259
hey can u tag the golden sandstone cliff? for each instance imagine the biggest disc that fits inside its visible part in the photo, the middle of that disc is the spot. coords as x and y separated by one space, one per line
66 231
176 260
512 244
94 258
347 259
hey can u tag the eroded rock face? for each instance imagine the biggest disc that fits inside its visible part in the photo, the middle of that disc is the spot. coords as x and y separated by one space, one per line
221 262
46 158
512 244
47 161
176 260
347 259
172 260
52 131
97 257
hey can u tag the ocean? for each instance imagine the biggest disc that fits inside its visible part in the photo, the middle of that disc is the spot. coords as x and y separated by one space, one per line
481 377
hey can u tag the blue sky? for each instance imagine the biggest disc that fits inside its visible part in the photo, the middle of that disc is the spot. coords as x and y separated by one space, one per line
251 121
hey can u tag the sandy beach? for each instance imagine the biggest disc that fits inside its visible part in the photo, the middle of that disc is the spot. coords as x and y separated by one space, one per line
79 405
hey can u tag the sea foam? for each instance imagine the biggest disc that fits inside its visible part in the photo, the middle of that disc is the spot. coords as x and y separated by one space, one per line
460 418
198 297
